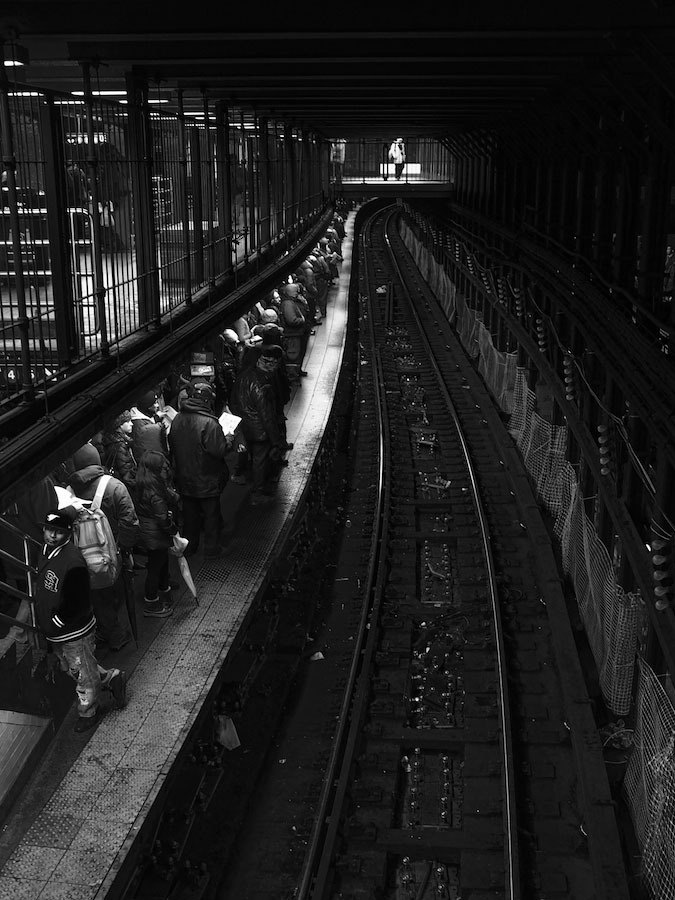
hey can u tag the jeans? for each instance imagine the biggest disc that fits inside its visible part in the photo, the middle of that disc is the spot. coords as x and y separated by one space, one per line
157 576
110 611
77 658
198 512
260 464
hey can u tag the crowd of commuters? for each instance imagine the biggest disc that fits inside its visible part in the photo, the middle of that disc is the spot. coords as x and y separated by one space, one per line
159 469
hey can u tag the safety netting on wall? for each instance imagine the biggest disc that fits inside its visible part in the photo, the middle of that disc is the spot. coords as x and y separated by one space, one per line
649 783
611 616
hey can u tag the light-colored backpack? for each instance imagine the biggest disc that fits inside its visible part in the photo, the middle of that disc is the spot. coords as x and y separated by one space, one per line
93 536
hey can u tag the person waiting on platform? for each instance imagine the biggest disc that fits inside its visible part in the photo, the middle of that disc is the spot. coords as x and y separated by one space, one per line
255 401
118 454
65 616
397 156
198 449
109 603
156 504
147 432
297 328
321 271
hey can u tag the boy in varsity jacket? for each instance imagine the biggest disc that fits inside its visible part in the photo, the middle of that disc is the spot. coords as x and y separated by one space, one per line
65 615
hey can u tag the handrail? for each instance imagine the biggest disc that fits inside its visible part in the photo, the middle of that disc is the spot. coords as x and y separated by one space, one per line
27 568
18 532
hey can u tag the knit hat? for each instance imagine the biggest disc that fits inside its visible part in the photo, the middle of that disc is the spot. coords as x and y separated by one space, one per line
87 455
122 418
269 316
147 400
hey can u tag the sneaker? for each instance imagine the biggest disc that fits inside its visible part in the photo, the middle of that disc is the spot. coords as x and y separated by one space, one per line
157 609
118 689
85 723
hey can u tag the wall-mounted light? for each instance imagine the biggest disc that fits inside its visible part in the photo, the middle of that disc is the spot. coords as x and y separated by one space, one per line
14 54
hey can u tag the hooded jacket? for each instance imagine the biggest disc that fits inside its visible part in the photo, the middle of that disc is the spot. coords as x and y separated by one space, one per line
147 434
116 503
63 607
254 399
198 449
118 456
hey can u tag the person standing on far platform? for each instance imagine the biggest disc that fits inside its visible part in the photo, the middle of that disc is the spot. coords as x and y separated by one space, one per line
397 156
65 616
198 449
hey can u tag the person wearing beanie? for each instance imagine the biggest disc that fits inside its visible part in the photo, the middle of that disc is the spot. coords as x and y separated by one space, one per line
64 614
109 602
198 449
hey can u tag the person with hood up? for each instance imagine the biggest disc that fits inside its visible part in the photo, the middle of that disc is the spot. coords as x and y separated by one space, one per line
118 453
254 398
110 602
64 614
147 432
198 449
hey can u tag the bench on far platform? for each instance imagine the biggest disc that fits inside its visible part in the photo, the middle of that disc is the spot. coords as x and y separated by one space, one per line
408 169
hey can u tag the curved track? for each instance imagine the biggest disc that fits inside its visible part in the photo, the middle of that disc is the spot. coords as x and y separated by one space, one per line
432 754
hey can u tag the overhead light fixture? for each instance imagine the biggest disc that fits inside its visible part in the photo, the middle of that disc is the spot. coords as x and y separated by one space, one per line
100 93
14 54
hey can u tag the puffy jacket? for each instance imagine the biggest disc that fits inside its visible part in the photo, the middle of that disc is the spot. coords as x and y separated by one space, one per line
116 503
63 609
198 449
147 434
254 399
154 503
118 456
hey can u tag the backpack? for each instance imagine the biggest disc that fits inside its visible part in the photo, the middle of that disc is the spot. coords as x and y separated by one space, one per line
93 536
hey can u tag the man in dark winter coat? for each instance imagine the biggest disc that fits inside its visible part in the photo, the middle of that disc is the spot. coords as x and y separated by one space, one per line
254 398
198 448
65 616
109 602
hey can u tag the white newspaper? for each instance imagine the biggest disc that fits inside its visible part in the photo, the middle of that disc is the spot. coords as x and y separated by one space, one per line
228 423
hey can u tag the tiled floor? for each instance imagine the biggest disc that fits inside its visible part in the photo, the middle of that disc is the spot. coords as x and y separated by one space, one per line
89 818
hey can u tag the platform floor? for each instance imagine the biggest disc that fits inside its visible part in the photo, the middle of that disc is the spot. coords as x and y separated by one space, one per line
78 816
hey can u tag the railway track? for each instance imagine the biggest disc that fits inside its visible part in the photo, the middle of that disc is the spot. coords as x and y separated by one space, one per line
442 749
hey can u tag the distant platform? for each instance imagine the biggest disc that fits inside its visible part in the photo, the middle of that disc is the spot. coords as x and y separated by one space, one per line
377 186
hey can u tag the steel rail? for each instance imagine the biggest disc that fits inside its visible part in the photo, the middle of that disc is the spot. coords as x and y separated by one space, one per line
320 852
508 772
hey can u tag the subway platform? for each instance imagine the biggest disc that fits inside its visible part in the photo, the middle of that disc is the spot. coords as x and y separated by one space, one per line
77 818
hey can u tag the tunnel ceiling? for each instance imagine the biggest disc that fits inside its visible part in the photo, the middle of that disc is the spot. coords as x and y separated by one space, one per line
432 71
